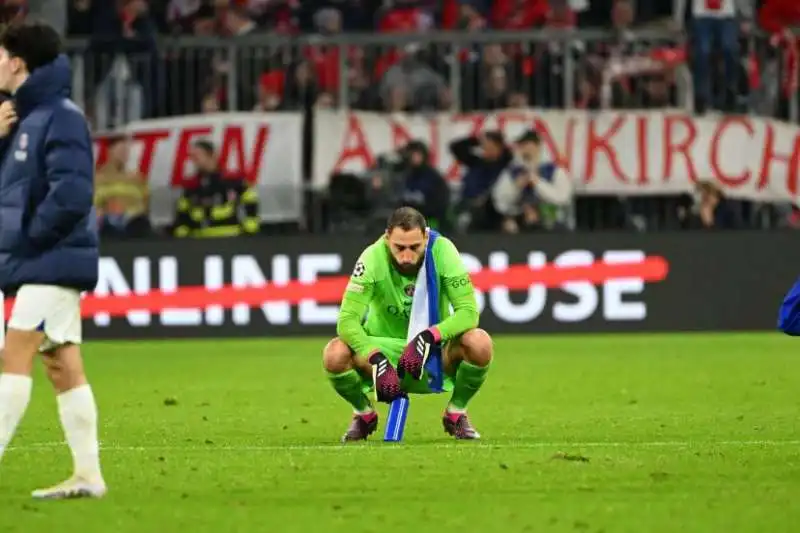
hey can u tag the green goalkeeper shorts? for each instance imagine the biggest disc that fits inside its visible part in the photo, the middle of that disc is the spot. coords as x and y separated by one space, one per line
393 348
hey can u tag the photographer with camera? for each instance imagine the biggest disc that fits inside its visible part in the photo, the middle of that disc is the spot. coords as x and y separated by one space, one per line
407 178
532 194
425 188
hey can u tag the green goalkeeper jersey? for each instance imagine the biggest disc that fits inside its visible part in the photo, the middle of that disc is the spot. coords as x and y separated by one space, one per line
378 290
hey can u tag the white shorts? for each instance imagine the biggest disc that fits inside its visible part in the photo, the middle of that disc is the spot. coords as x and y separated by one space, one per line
56 311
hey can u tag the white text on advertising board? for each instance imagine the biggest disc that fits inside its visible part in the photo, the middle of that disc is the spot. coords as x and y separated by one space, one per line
614 300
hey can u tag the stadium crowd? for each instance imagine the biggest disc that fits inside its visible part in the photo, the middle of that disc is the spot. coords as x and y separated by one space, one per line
617 69
723 55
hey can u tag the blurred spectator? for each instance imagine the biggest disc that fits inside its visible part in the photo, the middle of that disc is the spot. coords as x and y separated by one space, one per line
425 188
125 72
356 15
250 61
633 73
488 82
328 21
121 196
518 100
16 10
484 157
619 83
414 83
193 83
404 177
496 91
301 90
275 15
327 62
549 65
532 194
519 14
272 90
712 210
350 203
587 88
215 205
717 21
778 17
325 101
404 16
79 18
470 17
238 22
53 12
658 91
181 14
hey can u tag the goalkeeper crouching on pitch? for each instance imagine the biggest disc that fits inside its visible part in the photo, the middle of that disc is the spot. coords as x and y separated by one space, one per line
405 284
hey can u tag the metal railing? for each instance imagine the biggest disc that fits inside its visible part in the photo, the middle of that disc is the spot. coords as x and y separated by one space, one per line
118 81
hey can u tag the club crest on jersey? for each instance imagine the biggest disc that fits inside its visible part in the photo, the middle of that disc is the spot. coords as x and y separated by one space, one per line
409 290
21 153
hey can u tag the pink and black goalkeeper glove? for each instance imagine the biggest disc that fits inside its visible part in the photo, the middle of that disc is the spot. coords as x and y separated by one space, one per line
416 353
385 379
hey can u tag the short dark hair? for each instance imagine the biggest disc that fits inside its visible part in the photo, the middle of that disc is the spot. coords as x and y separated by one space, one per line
496 136
407 219
529 136
206 11
36 43
206 146
115 139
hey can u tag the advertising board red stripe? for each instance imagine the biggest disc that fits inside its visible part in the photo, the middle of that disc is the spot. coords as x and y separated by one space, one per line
330 289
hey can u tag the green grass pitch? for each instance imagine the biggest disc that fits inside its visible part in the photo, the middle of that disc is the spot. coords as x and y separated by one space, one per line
608 433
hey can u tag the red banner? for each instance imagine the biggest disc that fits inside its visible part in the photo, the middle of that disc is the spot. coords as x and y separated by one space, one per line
629 153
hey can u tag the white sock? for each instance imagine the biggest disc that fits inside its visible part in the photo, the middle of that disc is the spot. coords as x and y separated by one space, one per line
15 393
78 413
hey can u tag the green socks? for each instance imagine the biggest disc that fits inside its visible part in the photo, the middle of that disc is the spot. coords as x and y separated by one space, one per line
469 379
349 386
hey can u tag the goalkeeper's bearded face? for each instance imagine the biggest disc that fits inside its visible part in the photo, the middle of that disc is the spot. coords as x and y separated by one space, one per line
407 249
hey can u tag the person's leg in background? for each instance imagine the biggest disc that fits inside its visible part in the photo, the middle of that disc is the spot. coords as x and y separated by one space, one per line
702 39
728 31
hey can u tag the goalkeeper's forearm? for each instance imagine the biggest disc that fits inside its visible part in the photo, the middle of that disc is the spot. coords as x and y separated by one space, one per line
464 318
350 330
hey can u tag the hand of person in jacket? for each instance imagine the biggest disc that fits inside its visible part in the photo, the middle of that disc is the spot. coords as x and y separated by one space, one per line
8 117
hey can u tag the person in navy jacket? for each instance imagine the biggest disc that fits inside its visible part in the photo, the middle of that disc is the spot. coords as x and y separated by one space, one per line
789 313
48 243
